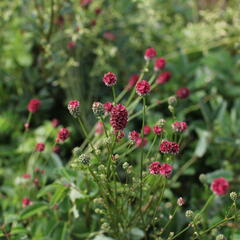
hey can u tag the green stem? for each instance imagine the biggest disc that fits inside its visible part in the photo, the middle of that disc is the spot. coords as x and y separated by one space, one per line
150 150
169 221
114 95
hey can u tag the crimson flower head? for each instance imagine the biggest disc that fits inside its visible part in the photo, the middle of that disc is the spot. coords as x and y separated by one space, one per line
141 142
55 122
99 128
169 147
133 136
159 64
40 147
63 134
109 79
150 53
179 126
146 130
98 11
132 81
26 175
220 186
142 88
154 167
56 149
165 169
74 108
26 202
157 130
71 44
163 78
85 3
108 107
109 36
34 105
183 92
119 117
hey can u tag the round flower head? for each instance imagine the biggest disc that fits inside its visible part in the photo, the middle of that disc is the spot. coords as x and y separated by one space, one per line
109 36
150 53
56 149
159 64
183 93
146 130
26 175
163 78
133 136
71 44
26 202
109 79
169 147
74 108
157 130
180 201
179 126
108 107
84 159
34 105
154 168
99 128
98 11
55 122
40 147
98 109
63 134
85 3
220 186
119 117
141 142
132 81
142 88
165 169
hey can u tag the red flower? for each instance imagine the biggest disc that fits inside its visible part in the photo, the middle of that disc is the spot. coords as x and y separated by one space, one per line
141 142
119 117
165 169
150 53
85 3
132 81
55 122
74 108
98 11
183 92
93 22
34 105
133 136
108 106
157 130
109 79
142 88
71 44
26 175
155 167
99 128
169 147
220 186
56 149
40 147
163 78
179 126
26 202
146 130
159 64
63 134
109 36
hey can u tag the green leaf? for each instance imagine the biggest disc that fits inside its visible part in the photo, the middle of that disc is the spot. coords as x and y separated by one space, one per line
33 209
47 189
59 194
202 144
219 173
102 237
137 234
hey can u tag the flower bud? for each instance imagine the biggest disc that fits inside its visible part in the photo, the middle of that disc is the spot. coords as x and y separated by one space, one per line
84 159
189 214
233 196
220 237
98 109
74 108
172 101
76 151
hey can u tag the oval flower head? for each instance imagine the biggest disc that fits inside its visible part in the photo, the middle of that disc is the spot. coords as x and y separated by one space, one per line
169 147
179 126
150 53
183 93
142 88
74 108
40 147
34 105
220 186
109 79
159 64
63 134
147 129
157 130
163 78
119 117
133 136
165 169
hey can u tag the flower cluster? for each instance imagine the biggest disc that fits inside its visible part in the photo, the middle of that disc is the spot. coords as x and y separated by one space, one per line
143 88
63 134
164 169
109 79
220 186
74 108
169 147
119 117
179 126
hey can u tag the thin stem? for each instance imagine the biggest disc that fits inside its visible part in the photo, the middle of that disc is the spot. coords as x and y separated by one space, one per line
114 95
169 220
150 149
184 230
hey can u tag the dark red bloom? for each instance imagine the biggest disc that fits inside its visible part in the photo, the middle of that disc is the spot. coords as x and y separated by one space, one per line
159 64
108 106
71 44
169 147
109 79
141 142
154 167
163 78
59 20
74 108
26 175
55 122
132 81
34 105
183 92
133 136
146 130
150 53
85 3
157 130
142 88
165 169
56 149
119 117
63 134
110 36
26 202
40 147
179 126
98 11
93 22
220 186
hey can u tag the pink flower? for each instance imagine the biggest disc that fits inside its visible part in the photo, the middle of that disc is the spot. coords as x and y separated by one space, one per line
74 108
165 169
169 147
132 81
155 167
55 122
56 149
98 11
99 128
157 130
180 201
179 126
40 147
26 175
142 88
108 106
146 130
71 44
150 53
109 36
183 92
119 117
63 134
159 64
141 142
26 202
163 78
26 126
220 186
34 105
109 79
133 136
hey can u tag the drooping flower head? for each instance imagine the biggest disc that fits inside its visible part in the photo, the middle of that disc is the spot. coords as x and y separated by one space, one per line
169 147
119 117
40 147
179 126
109 79
74 108
108 107
183 93
34 105
63 134
157 130
98 109
133 136
220 186
150 53
132 81
159 64
163 78
142 88
146 130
